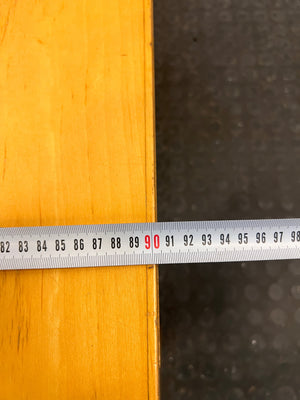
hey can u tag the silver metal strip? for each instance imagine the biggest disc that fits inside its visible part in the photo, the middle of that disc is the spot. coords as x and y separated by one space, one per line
149 243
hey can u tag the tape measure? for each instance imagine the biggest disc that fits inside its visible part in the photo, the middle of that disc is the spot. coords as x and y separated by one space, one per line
149 243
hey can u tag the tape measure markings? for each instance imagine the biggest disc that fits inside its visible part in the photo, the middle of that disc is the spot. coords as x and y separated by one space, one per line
149 243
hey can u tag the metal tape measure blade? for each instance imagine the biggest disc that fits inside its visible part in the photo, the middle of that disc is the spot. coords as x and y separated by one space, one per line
149 243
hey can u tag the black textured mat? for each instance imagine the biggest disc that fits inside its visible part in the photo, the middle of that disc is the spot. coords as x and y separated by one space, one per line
228 147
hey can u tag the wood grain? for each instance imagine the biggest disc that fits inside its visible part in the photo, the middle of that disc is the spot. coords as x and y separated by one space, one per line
77 147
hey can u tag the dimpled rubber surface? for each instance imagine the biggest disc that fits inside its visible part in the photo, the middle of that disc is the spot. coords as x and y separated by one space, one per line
228 147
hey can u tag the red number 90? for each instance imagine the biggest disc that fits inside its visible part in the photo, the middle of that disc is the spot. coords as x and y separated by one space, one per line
147 242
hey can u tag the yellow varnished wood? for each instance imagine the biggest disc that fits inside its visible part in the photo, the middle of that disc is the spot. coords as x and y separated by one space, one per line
77 147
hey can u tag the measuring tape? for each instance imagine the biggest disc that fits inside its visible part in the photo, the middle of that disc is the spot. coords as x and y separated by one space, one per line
149 243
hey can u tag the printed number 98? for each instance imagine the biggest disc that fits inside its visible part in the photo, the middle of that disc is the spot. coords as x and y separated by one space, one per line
295 236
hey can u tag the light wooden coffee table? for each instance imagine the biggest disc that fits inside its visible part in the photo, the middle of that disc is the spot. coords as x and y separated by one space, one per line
77 147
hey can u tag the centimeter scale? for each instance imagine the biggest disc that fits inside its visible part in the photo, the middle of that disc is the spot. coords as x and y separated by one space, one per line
149 243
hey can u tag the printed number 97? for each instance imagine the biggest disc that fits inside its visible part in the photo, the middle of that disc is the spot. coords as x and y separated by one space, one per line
278 237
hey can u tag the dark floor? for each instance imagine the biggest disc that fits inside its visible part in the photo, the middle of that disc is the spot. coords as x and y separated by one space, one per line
228 147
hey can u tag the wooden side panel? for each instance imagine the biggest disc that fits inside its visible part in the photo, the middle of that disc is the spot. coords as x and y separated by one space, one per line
77 147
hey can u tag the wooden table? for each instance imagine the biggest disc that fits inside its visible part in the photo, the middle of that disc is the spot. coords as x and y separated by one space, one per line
77 147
